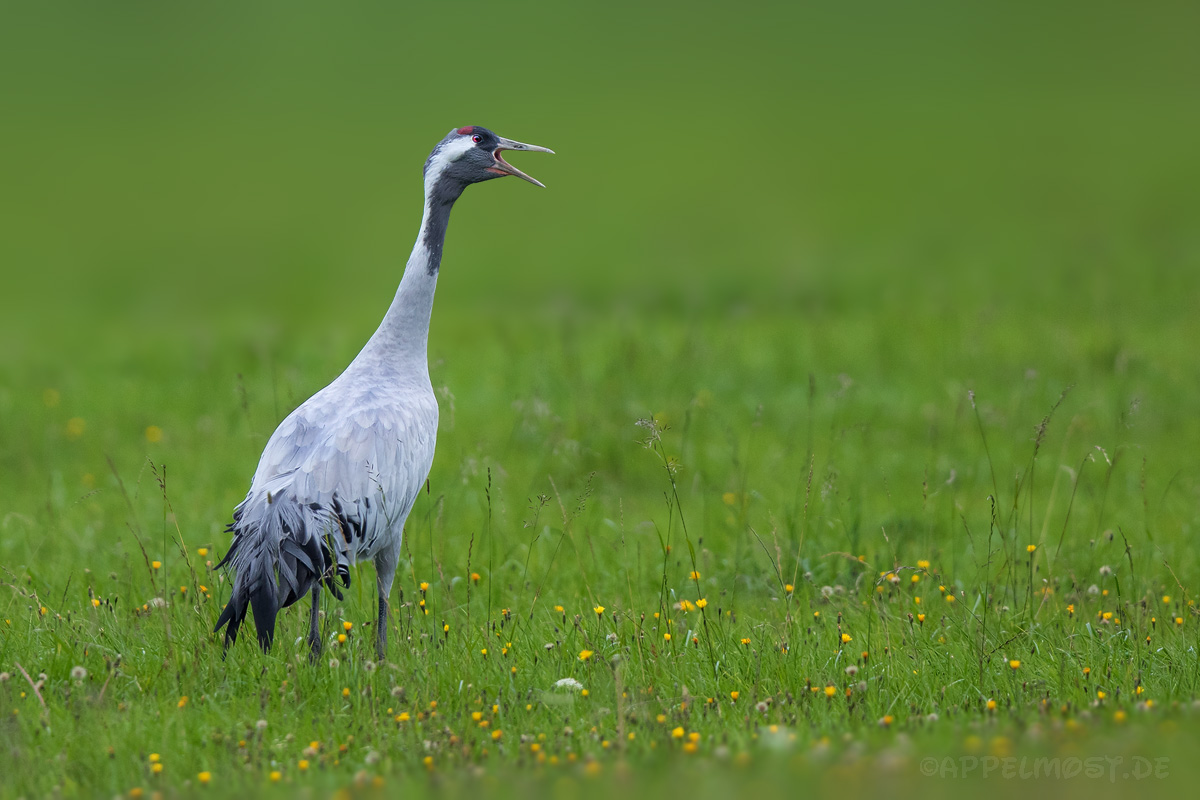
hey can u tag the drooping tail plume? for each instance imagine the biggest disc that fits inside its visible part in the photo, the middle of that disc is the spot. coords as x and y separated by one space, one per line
281 549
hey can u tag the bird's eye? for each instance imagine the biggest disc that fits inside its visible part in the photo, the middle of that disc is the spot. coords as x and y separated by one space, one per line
477 138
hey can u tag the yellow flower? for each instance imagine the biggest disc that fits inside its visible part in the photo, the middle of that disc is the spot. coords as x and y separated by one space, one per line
701 603
921 618
428 761
787 587
1179 620
483 652
341 638
584 655
95 603
1030 548
559 609
1166 599
156 564
667 637
915 578
1100 695
846 638
347 625
202 551
346 691
153 435
183 701
923 564
729 498
204 778
496 735
474 577
275 776
1070 609
402 717
1015 664
1107 615
1119 717
155 758
156 768
991 705
599 610
302 764
583 692
816 615
950 598
733 695
678 732
75 427
746 640
830 690
694 575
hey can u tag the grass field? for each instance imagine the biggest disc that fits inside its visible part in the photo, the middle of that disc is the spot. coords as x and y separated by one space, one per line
831 421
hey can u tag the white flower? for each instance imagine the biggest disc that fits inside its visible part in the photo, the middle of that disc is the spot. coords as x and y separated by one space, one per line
568 683
78 673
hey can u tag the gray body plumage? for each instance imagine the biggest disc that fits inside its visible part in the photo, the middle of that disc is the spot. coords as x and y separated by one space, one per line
339 476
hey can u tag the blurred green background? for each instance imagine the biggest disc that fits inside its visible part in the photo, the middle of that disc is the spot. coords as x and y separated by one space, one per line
206 209
239 160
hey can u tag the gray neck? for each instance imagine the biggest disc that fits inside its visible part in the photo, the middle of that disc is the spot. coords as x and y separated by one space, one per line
402 339
439 199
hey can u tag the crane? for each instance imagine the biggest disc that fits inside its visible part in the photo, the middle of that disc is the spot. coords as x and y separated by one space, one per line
338 478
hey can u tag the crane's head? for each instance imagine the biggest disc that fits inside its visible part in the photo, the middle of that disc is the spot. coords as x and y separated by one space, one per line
472 155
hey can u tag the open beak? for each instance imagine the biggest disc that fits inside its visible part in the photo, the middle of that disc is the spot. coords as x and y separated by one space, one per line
502 167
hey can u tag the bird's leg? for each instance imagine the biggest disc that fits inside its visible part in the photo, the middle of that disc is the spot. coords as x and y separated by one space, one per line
314 625
381 634
385 573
